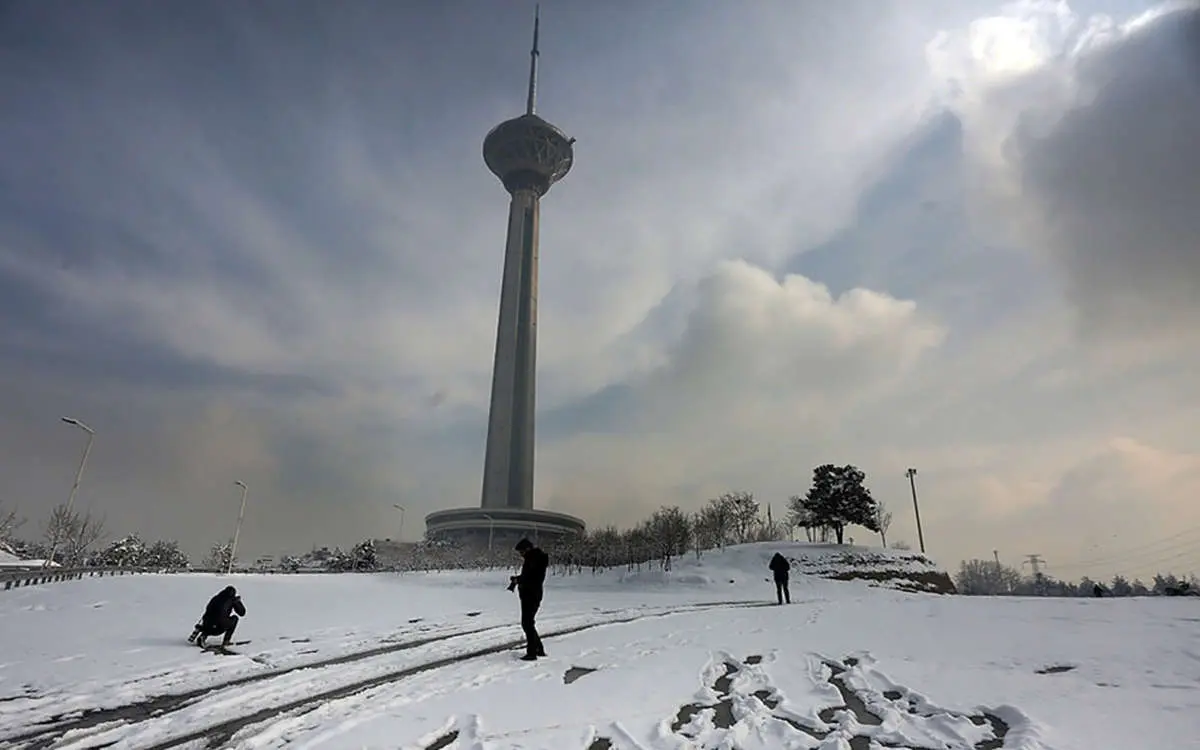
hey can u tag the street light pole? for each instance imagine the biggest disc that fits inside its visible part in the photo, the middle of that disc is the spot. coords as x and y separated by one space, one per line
491 530
400 508
237 532
912 482
87 449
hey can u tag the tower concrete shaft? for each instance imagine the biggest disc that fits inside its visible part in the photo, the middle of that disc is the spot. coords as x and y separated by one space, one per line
508 463
528 155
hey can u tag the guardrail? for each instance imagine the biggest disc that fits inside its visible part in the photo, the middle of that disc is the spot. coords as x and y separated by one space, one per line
14 577
11 579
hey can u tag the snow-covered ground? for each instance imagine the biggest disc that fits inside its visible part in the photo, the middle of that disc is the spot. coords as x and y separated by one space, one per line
9 560
699 658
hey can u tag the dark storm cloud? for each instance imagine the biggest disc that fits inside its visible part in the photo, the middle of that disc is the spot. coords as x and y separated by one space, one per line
1116 181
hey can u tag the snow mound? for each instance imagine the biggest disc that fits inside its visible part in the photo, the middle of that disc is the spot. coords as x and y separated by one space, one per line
897 569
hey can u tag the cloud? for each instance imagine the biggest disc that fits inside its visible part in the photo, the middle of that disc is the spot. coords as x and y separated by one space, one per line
263 245
1125 507
761 368
1082 127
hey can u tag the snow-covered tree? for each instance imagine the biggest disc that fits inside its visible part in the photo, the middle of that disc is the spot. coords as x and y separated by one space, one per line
166 555
290 563
219 556
364 555
1120 586
338 560
127 552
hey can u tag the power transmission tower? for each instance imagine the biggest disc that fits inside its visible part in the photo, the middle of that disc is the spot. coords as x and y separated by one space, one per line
1035 563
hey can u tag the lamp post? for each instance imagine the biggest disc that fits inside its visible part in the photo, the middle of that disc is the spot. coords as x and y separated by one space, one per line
912 482
237 532
87 449
400 536
491 530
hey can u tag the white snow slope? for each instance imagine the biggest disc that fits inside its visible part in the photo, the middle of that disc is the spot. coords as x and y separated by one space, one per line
429 661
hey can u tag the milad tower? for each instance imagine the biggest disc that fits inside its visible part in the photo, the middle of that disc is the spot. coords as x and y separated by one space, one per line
529 155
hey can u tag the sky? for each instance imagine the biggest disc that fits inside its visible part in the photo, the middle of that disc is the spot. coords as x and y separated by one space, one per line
259 243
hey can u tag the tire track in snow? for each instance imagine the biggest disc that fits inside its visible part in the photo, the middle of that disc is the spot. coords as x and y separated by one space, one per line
220 734
46 733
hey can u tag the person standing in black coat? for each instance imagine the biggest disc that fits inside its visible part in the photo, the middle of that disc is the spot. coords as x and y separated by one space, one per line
780 567
529 586
219 618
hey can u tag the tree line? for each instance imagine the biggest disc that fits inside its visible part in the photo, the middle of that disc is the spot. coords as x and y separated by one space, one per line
992 578
838 498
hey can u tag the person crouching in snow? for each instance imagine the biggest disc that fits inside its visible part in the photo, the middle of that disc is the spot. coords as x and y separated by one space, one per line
780 567
219 618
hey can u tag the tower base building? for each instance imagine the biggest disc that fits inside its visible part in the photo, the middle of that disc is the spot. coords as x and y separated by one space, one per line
500 528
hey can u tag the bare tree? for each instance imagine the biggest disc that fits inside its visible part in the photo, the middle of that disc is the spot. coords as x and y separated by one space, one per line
985 577
670 532
9 523
799 516
883 519
716 521
72 533
744 517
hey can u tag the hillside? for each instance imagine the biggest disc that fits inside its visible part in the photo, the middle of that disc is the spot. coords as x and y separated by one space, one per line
422 661
888 568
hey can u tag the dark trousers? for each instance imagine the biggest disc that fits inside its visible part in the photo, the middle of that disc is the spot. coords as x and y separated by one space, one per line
781 590
533 641
222 628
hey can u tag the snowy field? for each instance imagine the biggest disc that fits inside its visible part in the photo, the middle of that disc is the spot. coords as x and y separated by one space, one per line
698 659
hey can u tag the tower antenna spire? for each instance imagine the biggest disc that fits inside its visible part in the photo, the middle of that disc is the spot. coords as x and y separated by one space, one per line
531 99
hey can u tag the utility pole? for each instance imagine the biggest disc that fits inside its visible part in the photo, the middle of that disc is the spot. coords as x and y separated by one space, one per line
912 482
401 508
996 554
237 532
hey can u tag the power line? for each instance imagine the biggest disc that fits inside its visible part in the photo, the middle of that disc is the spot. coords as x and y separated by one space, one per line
1134 556
1177 556
1153 546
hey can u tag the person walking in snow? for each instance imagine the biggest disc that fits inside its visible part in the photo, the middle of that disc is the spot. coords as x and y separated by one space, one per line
779 567
219 618
529 587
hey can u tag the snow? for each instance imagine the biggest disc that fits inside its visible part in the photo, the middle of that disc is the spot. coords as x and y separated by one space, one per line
9 560
847 659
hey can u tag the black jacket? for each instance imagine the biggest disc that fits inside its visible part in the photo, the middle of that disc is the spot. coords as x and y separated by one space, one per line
221 606
780 567
533 574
